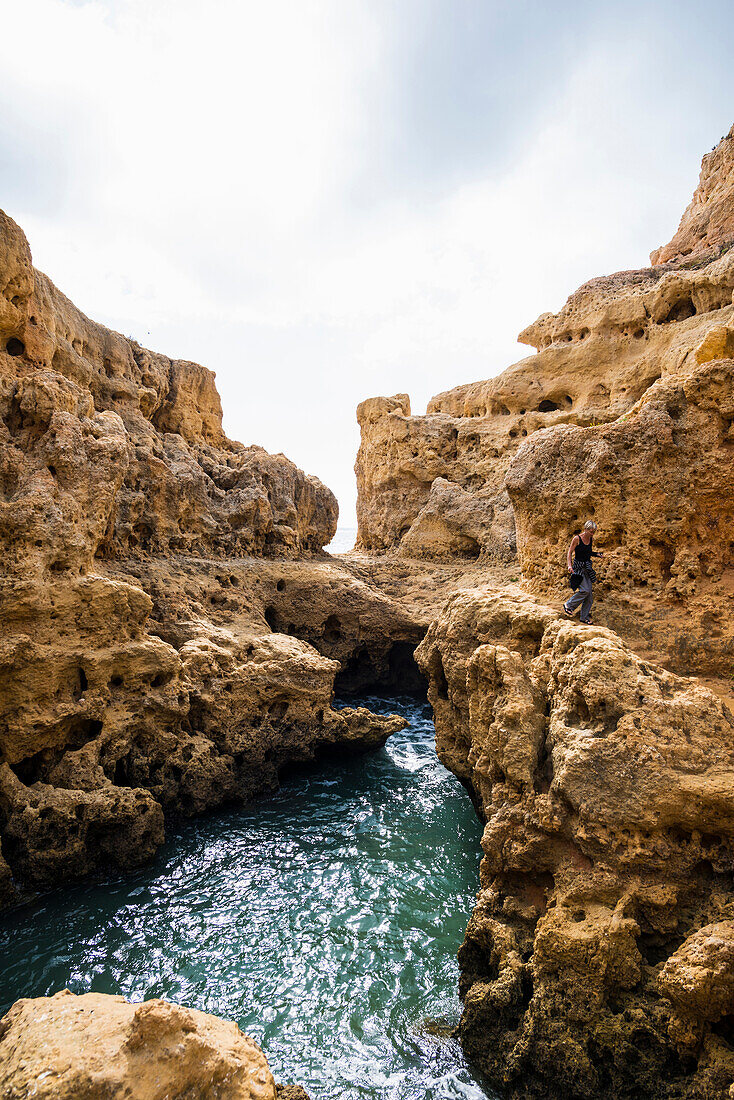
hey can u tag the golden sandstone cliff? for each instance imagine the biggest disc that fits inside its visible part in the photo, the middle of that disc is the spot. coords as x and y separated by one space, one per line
624 414
170 635
599 959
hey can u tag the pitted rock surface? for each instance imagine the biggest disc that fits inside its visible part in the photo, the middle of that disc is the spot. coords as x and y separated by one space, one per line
99 1047
171 630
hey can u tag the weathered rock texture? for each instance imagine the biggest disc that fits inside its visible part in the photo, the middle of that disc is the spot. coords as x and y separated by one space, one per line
624 415
709 219
168 640
598 960
97 1047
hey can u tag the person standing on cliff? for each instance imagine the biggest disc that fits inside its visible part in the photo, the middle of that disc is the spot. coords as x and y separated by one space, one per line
578 559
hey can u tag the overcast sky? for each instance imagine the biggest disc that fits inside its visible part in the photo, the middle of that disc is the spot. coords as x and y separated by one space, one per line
325 200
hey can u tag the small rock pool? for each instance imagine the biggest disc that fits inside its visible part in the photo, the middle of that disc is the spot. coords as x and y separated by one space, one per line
324 920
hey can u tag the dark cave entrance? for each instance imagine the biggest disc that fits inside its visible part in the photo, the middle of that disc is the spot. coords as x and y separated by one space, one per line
392 673
15 346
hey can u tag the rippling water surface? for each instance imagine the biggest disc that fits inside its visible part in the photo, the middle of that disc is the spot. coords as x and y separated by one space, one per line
325 921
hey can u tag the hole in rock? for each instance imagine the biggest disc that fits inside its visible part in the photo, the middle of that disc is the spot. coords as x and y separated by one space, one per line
680 311
724 1028
470 547
391 671
80 686
278 709
579 711
404 673
116 681
332 629
547 406
78 733
568 399
357 672
52 471
15 346
666 556
271 618
442 684
280 585
122 776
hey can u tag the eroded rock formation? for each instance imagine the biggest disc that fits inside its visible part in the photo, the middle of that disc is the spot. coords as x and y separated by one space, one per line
624 414
598 959
168 639
104 1048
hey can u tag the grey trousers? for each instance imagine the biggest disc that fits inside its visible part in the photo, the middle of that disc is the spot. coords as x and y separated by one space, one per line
582 596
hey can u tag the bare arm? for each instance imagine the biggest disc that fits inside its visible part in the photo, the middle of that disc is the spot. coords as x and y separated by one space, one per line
569 555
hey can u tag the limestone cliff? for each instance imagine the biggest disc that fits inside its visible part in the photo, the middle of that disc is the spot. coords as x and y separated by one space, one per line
624 415
598 959
103 1048
169 640
708 221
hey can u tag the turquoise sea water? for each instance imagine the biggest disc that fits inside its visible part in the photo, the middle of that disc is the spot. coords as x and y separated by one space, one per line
324 920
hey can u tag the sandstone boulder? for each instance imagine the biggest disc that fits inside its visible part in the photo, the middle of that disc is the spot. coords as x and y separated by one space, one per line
98 1047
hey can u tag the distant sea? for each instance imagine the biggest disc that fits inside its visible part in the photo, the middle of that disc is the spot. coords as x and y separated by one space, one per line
343 540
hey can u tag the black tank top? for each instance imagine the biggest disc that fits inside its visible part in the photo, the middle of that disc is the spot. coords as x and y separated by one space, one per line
582 551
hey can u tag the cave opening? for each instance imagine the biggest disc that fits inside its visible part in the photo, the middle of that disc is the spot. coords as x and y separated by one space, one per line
382 673
15 346
332 629
547 406
81 685
680 311
36 767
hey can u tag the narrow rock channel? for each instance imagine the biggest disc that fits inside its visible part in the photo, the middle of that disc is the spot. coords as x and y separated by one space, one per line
324 920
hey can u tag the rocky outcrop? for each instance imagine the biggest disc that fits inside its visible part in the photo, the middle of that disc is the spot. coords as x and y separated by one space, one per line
104 1048
597 962
598 959
168 640
708 221
660 483
618 341
624 415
